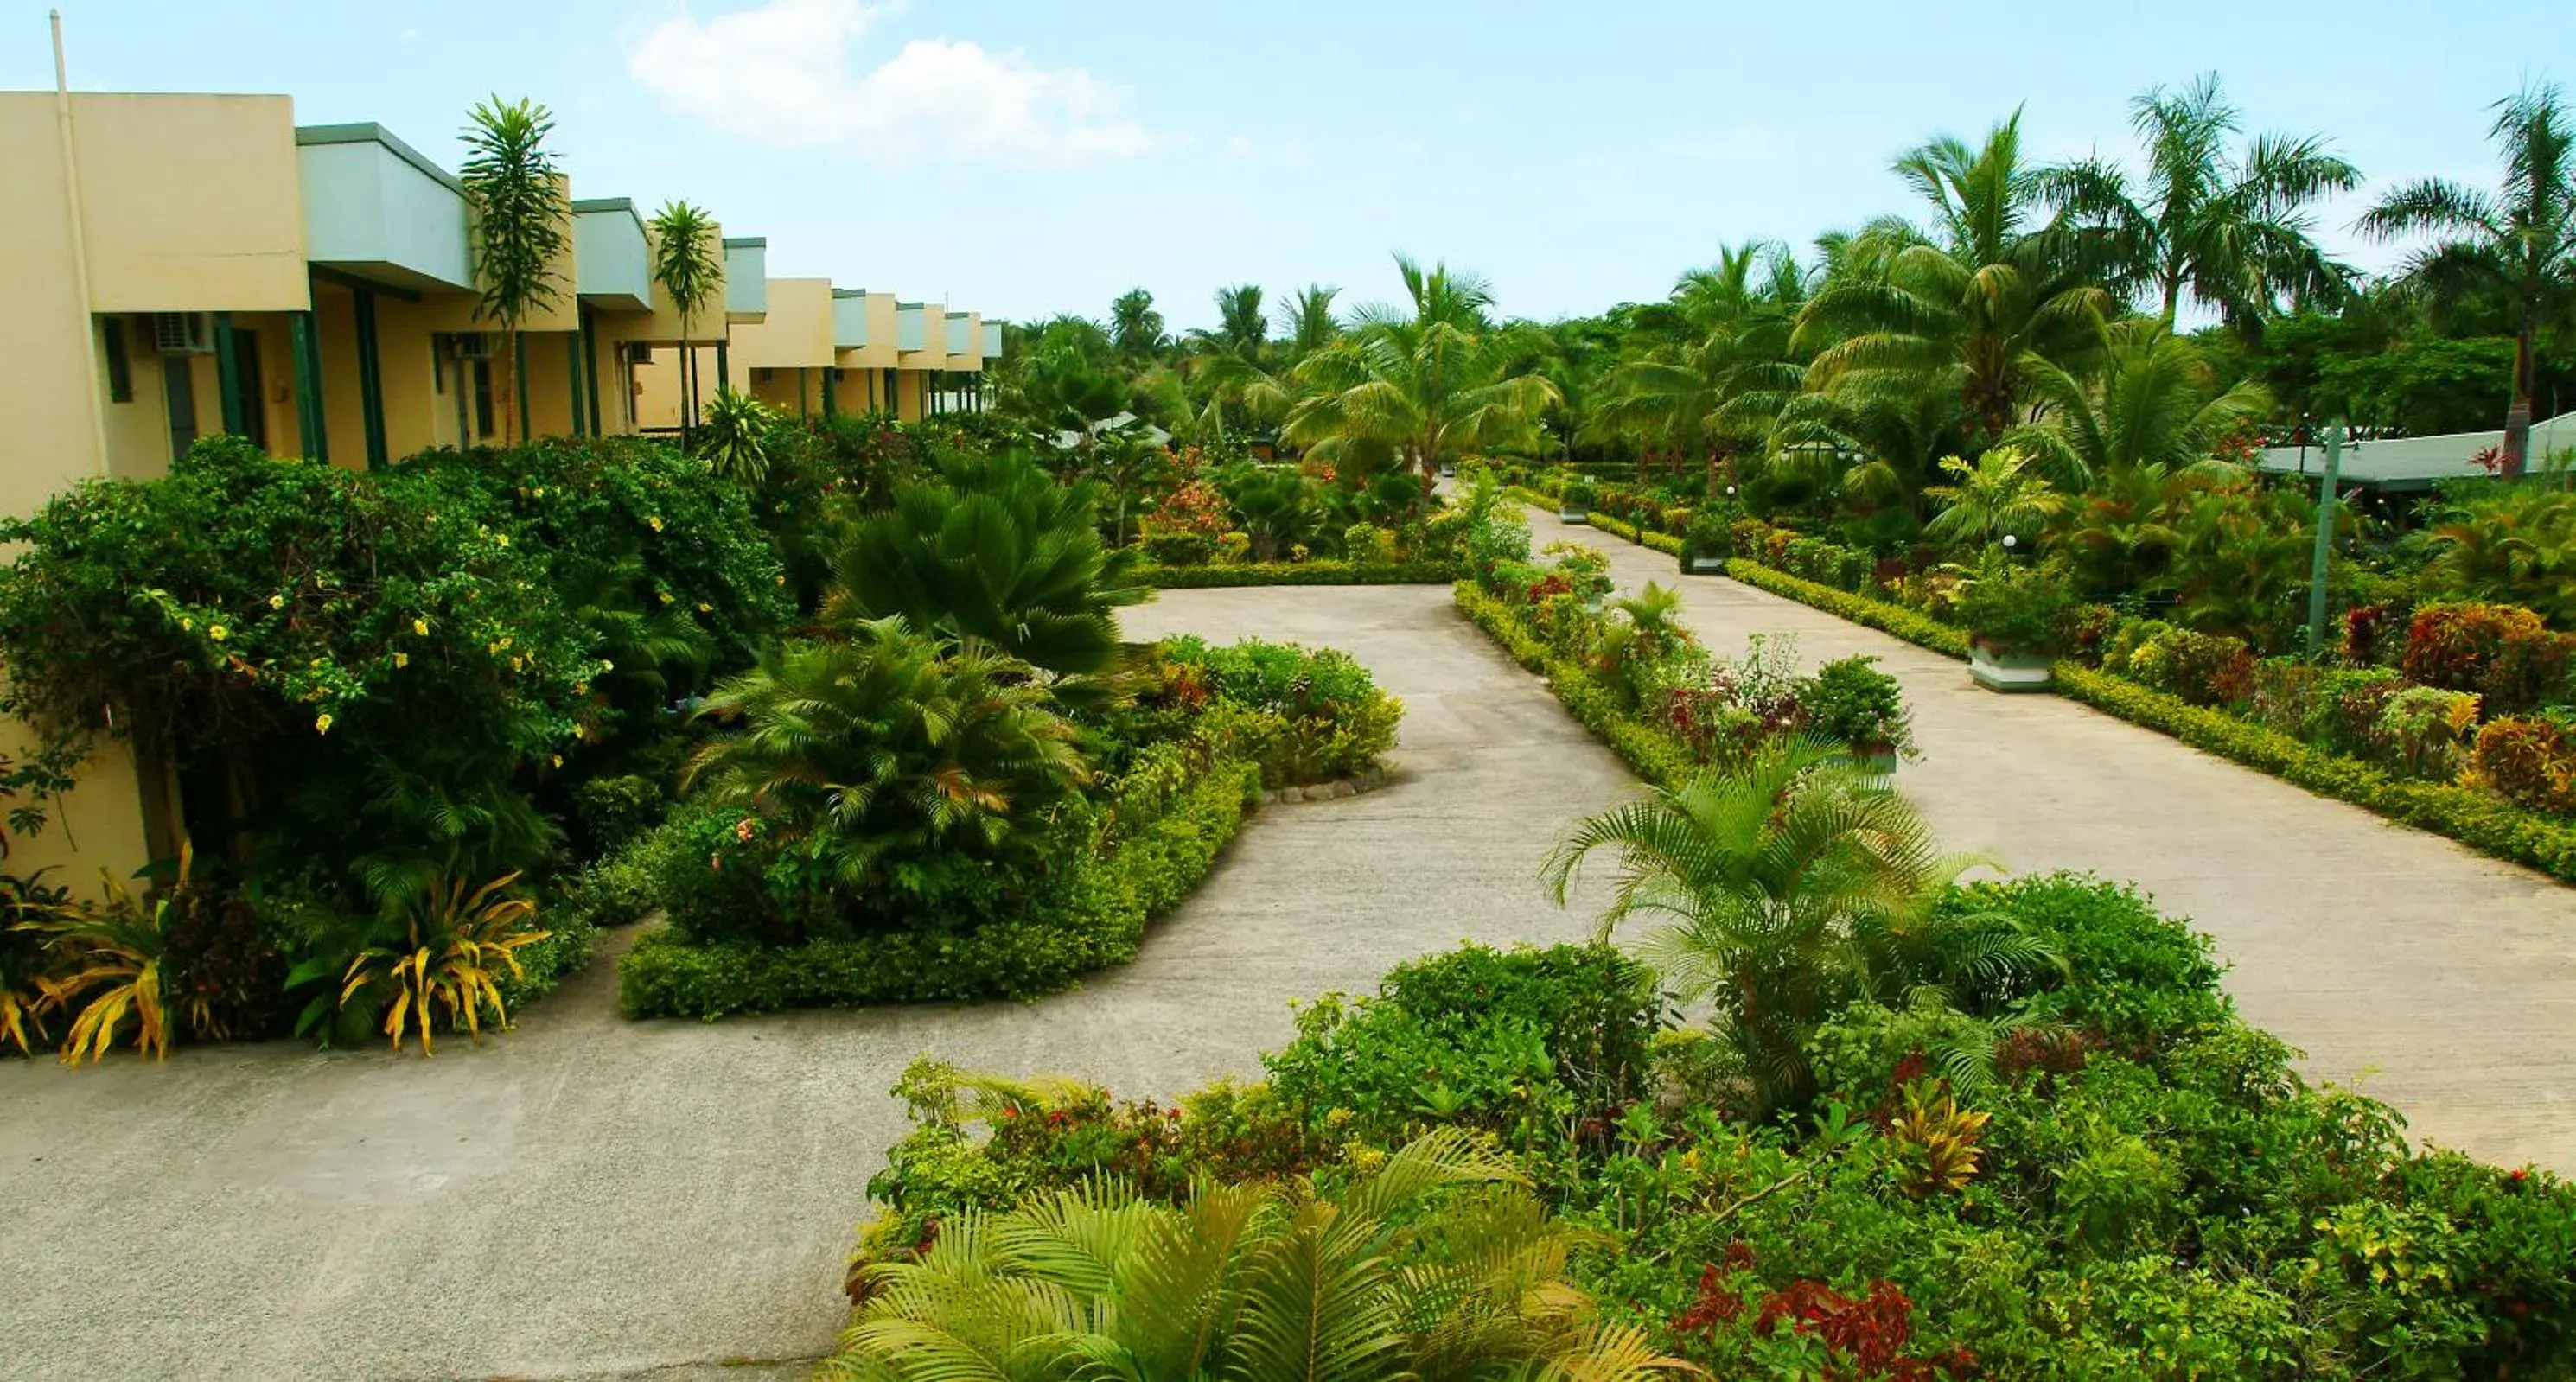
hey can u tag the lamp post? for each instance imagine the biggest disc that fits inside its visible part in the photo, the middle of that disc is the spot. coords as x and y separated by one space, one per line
2325 539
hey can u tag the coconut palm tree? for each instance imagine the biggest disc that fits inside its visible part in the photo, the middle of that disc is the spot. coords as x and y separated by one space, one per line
2230 230
1418 385
1438 1266
1993 292
2157 403
1996 496
688 266
1241 329
1308 323
1135 328
1795 884
521 218
2518 242
992 548
1715 389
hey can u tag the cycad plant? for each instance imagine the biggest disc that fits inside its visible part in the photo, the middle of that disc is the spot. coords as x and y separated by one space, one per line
521 219
688 266
890 742
1440 1264
991 548
1794 885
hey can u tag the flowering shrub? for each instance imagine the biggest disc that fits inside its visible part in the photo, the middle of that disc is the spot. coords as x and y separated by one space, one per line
2503 653
2527 760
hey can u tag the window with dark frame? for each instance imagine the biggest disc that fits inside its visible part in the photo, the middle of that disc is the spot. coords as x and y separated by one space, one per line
120 367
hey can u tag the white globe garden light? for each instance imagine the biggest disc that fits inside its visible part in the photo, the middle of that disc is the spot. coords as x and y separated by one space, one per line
2011 542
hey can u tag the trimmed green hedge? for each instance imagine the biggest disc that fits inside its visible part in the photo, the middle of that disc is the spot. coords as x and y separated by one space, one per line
1656 756
1300 573
1917 628
2472 817
1096 921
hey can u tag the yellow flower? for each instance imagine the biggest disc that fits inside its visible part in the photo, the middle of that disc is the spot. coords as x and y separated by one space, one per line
216 632
782 580
558 760
656 522
421 627
187 626
322 723
503 538
517 665
541 493
705 608
666 597
581 688
402 660
277 602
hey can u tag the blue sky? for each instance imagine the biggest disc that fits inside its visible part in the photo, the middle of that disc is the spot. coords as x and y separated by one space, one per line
1024 157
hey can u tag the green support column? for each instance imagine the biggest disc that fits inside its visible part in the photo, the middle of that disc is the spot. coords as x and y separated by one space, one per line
572 383
724 370
371 381
228 375
831 404
2326 501
308 387
893 395
519 381
590 372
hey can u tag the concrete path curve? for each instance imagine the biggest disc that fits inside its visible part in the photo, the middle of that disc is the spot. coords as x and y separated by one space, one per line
588 1197
2403 963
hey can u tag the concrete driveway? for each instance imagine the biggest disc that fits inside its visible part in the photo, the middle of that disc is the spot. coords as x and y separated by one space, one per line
2403 963
589 1197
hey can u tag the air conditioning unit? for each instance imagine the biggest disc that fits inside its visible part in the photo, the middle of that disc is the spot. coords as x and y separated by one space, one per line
183 333
471 345
639 352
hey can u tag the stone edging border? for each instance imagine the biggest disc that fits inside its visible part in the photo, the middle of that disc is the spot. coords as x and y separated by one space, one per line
1334 790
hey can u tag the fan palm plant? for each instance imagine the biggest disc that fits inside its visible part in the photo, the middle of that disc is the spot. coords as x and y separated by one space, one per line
521 217
1795 884
688 266
1420 386
1438 1265
991 548
2230 230
1973 309
2519 241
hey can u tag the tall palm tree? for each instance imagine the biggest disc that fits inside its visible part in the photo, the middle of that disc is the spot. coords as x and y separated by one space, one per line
1439 1266
2231 230
688 265
2157 403
1418 385
1308 322
1795 884
1992 293
1241 329
2519 241
1880 447
521 218
1727 370
1135 328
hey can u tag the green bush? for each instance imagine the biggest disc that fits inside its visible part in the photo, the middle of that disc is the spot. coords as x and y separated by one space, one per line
1334 721
1655 754
1877 614
1092 915
1851 702
1523 1043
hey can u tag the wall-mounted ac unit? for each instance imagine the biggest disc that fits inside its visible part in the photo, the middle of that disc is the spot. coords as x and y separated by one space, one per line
183 333
639 352
471 345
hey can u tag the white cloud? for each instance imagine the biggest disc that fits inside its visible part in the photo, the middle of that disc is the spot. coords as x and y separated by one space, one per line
1239 145
786 73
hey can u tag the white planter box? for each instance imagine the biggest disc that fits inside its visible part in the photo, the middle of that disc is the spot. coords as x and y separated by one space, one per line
1577 517
1705 566
2010 671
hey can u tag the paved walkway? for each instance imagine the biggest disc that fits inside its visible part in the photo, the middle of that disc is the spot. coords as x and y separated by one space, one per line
591 1197
2430 976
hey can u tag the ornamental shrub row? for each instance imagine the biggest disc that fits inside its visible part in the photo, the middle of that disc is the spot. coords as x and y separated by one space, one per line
1299 573
1656 755
1095 918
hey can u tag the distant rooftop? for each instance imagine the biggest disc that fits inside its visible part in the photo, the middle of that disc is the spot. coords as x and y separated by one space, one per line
2411 463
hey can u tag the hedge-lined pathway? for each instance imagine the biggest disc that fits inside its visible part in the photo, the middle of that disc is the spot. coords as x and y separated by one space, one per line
590 1197
2435 978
